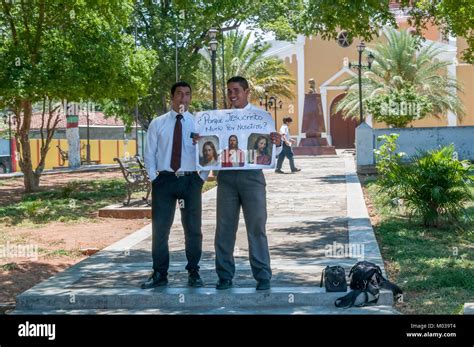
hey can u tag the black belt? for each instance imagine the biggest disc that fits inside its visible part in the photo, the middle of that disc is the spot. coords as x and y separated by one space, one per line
177 173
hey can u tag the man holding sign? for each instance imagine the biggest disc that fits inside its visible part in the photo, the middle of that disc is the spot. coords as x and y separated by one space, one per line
246 188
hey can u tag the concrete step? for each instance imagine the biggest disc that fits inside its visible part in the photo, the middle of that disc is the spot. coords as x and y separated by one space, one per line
180 298
298 310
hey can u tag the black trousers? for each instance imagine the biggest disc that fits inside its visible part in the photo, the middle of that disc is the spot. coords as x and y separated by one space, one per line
288 153
167 190
246 189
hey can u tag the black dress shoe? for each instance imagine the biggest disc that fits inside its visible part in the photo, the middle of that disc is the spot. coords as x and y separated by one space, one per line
296 170
194 280
263 285
155 280
223 284
278 171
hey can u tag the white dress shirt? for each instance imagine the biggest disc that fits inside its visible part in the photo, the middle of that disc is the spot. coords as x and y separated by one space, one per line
285 130
159 145
249 106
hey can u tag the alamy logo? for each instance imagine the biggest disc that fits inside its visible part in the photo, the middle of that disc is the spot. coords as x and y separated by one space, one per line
37 330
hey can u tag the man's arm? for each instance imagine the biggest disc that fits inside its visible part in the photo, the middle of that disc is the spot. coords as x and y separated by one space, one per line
150 151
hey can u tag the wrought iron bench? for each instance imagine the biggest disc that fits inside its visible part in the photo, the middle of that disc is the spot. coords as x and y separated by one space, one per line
65 155
136 177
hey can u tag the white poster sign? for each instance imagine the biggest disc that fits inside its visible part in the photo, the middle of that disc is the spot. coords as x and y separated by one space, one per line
235 139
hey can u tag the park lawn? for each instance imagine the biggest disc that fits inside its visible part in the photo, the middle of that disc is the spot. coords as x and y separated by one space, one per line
78 201
434 267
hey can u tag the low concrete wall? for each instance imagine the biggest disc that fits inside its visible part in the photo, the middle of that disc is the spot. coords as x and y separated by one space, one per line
411 140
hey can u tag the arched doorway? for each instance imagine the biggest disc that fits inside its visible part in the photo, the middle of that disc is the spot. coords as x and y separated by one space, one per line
342 130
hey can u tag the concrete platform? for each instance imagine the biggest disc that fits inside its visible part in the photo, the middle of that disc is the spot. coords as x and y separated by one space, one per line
133 211
309 213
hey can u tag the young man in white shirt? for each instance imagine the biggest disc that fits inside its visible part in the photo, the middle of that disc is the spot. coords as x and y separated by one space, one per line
287 143
170 159
246 189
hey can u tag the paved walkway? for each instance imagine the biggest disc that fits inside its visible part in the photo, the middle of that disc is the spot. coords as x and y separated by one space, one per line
312 216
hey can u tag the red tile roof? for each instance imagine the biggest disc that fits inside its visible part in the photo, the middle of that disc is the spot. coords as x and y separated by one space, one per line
95 118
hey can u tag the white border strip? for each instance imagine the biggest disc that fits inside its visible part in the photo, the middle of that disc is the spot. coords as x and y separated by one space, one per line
359 226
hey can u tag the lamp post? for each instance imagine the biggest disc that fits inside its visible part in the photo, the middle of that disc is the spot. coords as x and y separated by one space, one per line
213 46
273 103
266 100
136 102
359 67
224 101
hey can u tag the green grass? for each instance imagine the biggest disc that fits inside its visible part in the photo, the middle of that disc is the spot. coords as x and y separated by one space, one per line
77 201
208 186
434 267
9 266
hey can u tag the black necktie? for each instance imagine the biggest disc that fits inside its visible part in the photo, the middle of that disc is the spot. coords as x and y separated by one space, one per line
177 140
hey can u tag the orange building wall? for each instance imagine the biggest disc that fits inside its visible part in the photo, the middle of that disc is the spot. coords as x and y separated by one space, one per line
465 75
103 151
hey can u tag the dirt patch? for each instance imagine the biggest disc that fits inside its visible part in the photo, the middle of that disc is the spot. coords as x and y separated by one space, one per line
59 247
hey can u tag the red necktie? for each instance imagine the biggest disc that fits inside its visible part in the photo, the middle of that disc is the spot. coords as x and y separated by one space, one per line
177 140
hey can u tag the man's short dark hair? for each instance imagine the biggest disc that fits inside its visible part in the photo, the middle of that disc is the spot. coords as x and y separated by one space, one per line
240 80
180 84
287 119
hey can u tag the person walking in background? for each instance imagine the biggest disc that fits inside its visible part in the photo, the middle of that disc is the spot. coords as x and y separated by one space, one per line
287 143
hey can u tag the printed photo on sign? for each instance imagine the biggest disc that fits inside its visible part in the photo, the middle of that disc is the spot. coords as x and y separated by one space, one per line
235 139
208 151
259 149
233 156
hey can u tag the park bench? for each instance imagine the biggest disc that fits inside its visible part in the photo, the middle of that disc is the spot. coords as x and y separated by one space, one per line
64 156
136 177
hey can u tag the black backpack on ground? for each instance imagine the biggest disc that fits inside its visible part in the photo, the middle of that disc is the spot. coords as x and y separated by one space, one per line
366 281
334 278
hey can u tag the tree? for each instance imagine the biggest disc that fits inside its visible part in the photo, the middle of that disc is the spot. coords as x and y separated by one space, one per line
454 17
73 50
241 59
178 30
364 18
403 73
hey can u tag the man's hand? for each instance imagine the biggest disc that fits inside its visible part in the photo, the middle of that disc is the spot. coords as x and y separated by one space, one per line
276 138
195 137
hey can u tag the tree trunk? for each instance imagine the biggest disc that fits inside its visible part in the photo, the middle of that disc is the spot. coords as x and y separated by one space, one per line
31 180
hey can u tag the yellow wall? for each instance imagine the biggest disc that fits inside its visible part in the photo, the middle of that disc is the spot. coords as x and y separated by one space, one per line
465 75
102 150
324 58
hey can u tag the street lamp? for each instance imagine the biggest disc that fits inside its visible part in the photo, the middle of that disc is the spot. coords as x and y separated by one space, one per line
213 46
136 102
272 103
224 101
266 100
359 67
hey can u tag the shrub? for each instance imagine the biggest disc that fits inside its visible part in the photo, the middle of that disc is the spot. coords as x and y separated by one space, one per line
434 184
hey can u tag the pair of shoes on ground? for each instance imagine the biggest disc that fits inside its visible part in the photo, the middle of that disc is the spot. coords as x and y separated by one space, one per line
226 284
278 171
159 280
